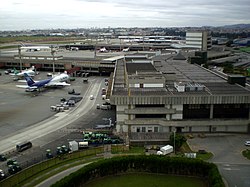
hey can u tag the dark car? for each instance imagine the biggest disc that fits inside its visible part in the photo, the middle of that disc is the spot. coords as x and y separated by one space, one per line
14 169
11 162
63 99
2 158
49 154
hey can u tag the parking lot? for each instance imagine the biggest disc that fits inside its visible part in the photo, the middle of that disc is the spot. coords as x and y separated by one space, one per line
227 150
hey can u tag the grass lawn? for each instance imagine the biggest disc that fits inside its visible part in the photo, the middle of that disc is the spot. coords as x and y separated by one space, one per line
186 149
147 180
205 156
245 49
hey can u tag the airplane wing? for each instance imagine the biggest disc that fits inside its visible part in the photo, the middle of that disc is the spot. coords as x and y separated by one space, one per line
57 84
24 81
12 74
26 87
21 74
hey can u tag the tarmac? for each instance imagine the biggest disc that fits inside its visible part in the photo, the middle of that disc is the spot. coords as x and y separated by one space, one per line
21 111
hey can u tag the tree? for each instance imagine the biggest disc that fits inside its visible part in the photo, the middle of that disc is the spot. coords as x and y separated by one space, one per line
179 140
228 67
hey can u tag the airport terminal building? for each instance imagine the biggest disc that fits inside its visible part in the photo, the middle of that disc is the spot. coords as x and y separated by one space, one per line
169 94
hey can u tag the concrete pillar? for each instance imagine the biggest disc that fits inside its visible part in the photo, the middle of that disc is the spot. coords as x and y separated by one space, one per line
211 111
249 114
167 115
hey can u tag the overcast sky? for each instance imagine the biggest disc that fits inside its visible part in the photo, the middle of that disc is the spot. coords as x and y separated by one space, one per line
53 14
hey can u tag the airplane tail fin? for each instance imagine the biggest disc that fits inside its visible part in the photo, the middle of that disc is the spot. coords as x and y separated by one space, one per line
15 71
28 79
23 45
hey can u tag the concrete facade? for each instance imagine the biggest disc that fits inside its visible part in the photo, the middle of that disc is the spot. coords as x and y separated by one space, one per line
207 103
199 39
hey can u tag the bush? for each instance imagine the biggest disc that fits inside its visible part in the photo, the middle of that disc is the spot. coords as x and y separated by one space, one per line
142 163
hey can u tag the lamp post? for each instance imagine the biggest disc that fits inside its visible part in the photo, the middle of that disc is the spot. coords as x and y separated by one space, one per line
53 56
174 138
20 57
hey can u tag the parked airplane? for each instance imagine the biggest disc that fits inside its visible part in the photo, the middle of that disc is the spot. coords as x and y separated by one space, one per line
29 71
56 81
34 48
125 49
103 50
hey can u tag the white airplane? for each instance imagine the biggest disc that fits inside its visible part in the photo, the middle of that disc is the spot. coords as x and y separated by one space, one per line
35 48
29 71
103 50
125 49
56 81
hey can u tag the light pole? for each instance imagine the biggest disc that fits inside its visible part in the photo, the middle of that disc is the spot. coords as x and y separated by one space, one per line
53 56
20 57
174 138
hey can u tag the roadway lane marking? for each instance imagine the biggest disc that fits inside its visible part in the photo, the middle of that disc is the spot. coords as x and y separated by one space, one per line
231 169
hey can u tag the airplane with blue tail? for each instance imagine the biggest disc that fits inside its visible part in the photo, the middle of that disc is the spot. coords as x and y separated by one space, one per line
56 81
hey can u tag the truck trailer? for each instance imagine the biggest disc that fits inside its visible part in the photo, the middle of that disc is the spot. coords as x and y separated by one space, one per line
73 146
166 149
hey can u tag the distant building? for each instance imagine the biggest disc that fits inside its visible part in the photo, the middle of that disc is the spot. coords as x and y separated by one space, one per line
199 39
242 42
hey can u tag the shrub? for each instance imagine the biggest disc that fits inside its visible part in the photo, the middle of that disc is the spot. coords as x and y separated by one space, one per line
151 164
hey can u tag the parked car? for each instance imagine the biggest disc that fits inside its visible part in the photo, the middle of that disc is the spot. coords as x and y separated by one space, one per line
11 162
106 106
98 106
2 158
2 175
247 143
63 99
49 154
14 169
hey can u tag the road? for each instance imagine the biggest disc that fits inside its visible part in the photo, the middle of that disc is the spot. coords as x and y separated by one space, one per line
59 176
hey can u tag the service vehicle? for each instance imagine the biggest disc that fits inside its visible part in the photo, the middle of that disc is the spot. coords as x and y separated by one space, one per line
23 146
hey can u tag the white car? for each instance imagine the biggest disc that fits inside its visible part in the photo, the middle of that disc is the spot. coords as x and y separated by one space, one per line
98 106
105 107
91 97
247 143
